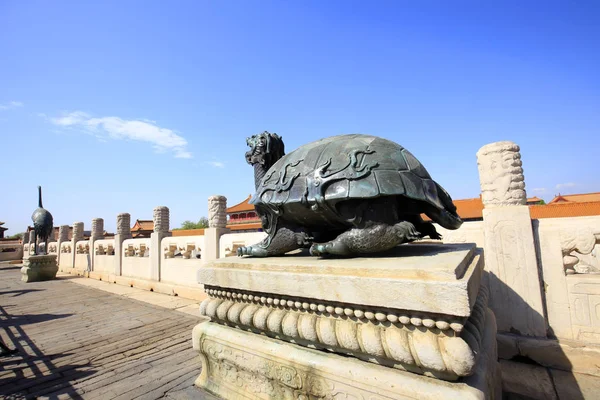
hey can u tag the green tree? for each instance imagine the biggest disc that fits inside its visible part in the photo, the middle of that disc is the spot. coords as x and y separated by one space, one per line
201 224
17 236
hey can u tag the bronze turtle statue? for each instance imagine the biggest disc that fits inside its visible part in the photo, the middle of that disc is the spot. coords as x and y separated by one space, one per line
342 196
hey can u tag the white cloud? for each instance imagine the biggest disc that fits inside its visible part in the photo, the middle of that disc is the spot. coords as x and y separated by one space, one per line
10 105
70 119
162 139
217 164
539 190
565 185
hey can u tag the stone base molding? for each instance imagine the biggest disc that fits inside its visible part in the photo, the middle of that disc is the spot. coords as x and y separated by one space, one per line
413 323
243 365
39 268
436 346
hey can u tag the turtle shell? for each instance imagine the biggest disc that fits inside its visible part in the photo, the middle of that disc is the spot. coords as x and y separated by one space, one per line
346 167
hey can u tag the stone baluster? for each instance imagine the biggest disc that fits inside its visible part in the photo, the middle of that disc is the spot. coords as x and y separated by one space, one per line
217 212
97 234
63 236
217 222
123 233
510 257
161 230
32 242
51 238
26 244
77 236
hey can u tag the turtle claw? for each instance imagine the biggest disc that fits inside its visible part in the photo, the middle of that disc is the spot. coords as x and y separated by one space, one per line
254 251
318 249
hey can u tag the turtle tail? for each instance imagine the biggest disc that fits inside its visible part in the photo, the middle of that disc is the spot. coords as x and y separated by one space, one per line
448 217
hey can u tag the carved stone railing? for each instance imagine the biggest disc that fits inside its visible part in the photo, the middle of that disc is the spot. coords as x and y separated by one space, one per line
104 255
52 248
83 247
11 251
136 250
186 251
181 257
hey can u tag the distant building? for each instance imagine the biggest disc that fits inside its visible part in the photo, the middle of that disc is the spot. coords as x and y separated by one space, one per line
142 228
576 198
242 217
2 230
468 209
533 201
562 210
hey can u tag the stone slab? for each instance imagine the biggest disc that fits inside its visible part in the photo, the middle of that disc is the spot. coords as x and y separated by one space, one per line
39 268
529 380
432 278
188 292
574 386
567 355
75 342
242 365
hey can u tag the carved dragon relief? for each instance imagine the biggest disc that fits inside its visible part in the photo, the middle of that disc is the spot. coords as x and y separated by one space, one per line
258 375
355 169
575 242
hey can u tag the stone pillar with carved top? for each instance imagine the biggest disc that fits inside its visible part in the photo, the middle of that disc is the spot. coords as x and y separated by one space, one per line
161 231
123 233
97 234
217 222
63 237
32 242
510 255
77 236
26 245
411 324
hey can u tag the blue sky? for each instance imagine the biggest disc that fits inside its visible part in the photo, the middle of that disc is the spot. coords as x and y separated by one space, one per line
121 106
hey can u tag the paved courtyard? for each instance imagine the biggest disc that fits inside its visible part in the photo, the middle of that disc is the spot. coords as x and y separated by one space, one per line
76 341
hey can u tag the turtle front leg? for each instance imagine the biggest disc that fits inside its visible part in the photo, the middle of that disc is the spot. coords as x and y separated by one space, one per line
428 229
256 250
285 239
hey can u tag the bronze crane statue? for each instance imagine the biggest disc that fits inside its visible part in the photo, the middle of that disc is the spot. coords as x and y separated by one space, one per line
42 223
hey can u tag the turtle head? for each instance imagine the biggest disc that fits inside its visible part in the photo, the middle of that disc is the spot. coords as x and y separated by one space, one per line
265 149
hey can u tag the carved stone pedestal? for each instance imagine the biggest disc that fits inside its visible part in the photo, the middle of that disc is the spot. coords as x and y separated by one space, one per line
411 324
39 268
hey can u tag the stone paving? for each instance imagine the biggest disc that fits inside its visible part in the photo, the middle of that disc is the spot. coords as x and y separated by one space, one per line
75 341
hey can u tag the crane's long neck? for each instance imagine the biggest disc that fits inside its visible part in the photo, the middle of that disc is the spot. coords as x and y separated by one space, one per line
40 197
259 172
